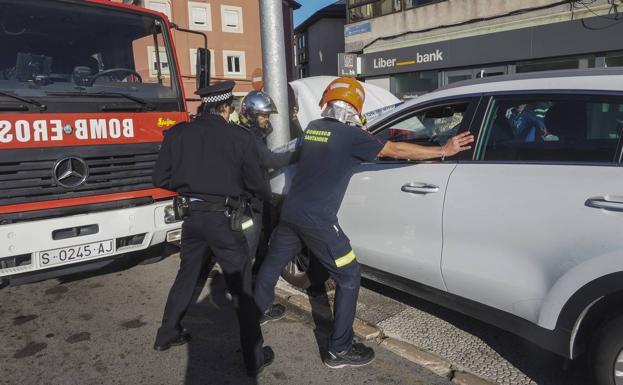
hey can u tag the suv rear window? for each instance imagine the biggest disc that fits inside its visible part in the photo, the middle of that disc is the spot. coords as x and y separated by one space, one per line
553 129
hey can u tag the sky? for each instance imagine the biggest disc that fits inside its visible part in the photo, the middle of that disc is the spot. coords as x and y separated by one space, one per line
308 8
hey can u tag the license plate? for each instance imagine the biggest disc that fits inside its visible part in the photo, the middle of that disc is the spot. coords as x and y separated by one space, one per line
76 253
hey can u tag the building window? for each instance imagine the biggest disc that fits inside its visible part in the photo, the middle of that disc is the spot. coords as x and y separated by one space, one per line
234 63
416 3
362 13
366 9
390 6
231 17
193 62
301 42
199 16
153 61
163 6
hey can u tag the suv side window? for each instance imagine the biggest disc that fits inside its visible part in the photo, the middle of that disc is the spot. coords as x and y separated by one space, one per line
555 128
431 126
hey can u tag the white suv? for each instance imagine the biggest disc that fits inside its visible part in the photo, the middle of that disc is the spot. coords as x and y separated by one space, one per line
526 230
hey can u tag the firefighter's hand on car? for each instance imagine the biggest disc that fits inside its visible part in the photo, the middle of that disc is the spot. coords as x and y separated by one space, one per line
456 144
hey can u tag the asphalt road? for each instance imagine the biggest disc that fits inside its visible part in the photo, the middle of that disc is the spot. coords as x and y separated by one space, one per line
99 329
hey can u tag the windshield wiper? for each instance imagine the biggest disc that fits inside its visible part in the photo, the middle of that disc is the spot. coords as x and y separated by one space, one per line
42 107
146 105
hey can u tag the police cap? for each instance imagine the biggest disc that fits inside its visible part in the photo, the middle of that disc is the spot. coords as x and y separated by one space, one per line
217 93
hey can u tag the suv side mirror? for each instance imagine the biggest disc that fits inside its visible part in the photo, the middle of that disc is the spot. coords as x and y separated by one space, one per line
203 68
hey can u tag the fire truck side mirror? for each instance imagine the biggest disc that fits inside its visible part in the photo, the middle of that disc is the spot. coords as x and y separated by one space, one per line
203 68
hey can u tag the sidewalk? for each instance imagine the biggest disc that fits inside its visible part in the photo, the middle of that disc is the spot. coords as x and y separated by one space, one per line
450 344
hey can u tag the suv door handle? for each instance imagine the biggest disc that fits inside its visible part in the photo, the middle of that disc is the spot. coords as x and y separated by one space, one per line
419 188
604 203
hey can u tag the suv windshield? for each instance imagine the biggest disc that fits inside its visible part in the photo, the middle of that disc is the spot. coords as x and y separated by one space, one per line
61 55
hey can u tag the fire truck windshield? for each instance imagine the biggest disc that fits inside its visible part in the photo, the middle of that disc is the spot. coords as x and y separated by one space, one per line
84 57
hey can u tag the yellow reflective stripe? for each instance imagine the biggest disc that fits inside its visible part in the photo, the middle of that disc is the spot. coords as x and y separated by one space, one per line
247 224
345 260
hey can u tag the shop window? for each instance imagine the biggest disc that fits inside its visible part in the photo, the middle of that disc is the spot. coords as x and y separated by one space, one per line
553 129
153 61
231 17
614 60
412 84
555 64
199 16
163 6
234 63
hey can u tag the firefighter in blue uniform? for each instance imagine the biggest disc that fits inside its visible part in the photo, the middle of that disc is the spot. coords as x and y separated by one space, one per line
332 148
212 163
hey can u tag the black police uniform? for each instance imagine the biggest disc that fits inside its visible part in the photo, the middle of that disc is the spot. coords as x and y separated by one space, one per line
267 160
330 153
208 160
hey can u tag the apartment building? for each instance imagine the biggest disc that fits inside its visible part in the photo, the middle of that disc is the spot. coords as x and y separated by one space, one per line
233 31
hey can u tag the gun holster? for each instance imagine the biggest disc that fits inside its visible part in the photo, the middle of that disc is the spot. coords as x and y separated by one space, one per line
181 207
239 212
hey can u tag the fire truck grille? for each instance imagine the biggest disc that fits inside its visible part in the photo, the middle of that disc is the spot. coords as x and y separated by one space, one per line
43 174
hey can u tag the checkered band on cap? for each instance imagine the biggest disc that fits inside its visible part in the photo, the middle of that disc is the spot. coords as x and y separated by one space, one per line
217 98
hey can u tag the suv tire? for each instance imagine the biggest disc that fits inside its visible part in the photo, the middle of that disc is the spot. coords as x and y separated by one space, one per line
605 352
306 273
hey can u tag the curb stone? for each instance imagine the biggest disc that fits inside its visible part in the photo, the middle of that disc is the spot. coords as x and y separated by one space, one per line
368 332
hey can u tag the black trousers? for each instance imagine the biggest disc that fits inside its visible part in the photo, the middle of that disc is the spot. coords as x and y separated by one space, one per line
332 248
206 233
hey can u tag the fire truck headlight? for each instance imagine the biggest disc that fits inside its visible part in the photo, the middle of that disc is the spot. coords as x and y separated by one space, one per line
169 215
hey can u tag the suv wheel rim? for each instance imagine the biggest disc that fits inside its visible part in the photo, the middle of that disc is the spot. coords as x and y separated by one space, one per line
299 265
618 369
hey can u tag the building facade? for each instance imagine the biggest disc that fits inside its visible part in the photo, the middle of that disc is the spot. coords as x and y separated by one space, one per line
411 47
233 31
317 43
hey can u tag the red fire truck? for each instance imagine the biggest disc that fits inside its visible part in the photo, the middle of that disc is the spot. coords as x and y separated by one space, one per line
86 89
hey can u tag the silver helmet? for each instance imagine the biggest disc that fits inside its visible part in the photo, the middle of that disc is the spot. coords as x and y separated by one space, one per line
254 104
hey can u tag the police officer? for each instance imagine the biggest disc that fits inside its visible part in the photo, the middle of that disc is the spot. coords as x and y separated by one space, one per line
212 163
255 111
332 148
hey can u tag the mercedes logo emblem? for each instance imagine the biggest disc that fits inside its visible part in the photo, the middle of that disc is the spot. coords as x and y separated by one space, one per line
71 172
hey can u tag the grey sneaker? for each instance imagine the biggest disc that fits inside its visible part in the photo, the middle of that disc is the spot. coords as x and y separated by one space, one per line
358 355
274 313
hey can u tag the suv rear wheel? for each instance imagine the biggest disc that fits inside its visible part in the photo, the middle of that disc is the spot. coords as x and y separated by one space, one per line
606 354
305 272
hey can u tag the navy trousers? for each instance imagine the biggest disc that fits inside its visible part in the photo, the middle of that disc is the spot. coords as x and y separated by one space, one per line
332 248
206 233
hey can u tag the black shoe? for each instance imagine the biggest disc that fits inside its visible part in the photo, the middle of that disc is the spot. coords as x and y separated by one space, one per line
274 313
181 339
269 357
358 355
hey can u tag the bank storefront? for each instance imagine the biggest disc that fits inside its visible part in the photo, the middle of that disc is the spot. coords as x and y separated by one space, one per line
411 71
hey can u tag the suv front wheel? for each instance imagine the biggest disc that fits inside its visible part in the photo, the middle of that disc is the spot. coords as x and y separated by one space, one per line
606 354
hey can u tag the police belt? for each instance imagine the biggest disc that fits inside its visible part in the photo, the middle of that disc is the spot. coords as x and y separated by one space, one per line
208 206
222 204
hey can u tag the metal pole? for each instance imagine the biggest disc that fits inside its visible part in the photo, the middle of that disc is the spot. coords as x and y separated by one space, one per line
274 63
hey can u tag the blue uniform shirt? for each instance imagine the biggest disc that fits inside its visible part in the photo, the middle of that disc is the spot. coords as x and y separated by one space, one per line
330 153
